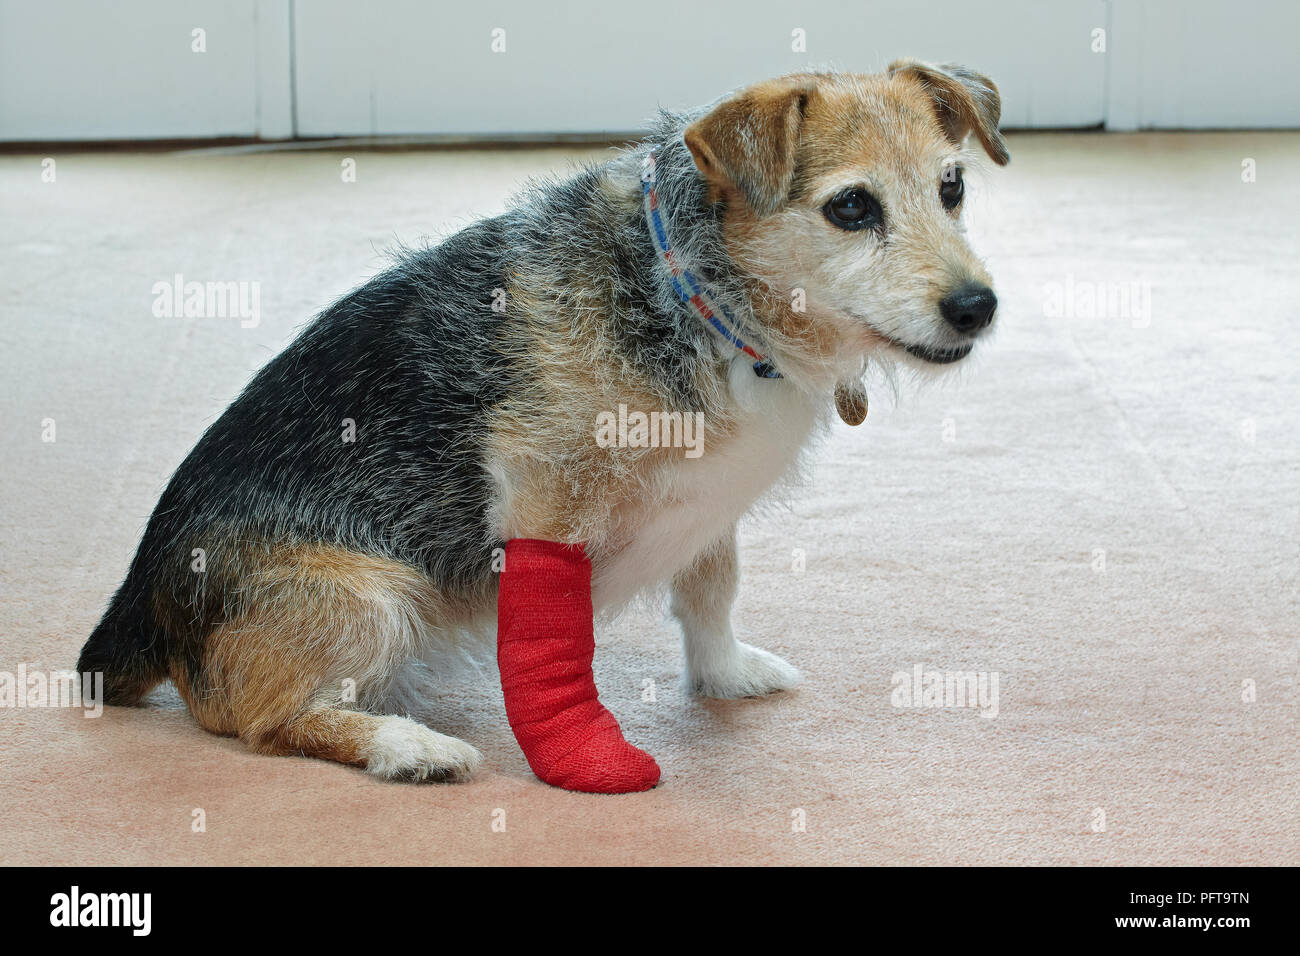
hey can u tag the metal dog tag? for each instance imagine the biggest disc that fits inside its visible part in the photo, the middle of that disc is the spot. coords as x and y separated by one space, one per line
851 402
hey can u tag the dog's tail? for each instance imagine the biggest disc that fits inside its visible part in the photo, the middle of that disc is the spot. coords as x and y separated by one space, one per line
128 648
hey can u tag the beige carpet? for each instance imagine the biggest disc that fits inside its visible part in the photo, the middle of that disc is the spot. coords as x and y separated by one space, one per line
1103 511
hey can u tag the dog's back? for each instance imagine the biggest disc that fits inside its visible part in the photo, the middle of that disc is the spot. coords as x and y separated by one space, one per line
361 436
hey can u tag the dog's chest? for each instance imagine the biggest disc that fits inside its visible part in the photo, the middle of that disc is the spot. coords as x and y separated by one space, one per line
697 500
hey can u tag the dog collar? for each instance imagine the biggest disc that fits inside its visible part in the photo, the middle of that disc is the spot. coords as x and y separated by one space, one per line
689 289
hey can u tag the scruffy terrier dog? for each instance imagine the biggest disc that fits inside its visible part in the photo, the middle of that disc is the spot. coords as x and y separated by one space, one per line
746 263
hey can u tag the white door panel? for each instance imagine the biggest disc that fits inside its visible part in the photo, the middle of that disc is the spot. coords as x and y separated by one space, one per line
410 67
1208 65
84 69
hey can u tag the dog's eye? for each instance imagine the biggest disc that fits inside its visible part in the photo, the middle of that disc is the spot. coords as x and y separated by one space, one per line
853 209
951 188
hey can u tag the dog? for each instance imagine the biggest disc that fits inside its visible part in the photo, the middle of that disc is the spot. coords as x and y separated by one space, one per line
744 266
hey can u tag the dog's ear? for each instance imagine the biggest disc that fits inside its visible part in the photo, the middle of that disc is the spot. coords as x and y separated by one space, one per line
964 101
747 143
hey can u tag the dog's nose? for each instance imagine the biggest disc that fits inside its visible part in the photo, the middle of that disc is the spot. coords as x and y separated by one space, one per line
969 308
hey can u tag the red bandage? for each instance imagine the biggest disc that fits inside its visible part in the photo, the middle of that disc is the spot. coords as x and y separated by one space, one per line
545 643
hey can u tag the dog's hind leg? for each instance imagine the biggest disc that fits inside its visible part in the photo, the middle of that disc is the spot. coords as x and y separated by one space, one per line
319 633
396 748
718 665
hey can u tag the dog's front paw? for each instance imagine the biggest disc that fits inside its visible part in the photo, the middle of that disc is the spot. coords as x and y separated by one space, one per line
405 750
748 672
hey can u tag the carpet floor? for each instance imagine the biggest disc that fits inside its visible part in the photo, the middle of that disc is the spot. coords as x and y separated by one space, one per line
1102 509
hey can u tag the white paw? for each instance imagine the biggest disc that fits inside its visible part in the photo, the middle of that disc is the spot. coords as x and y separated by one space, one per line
405 750
748 672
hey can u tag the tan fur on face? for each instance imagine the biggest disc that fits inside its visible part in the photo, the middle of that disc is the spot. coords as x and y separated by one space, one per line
893 134
963 102
746 147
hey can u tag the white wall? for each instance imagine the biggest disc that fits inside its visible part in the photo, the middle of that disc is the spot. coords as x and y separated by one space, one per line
599 65
82 69
87 69
1204 64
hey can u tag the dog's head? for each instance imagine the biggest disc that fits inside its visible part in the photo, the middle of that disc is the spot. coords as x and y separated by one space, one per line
843 194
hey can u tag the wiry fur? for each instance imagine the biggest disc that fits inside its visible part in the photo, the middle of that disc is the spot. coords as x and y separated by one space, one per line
328 565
